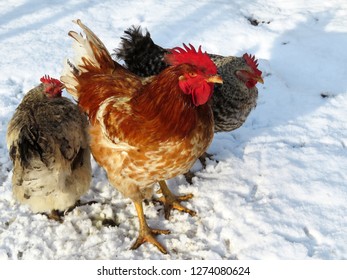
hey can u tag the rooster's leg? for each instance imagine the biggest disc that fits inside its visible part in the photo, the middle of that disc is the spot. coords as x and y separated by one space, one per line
172 201
146 233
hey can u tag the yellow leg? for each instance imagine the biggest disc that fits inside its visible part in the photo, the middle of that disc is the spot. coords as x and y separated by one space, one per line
172 201
146 234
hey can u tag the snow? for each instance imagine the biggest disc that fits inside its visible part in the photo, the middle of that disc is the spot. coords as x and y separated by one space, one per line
277 188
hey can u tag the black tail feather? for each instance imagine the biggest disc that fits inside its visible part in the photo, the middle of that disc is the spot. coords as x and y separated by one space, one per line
140 54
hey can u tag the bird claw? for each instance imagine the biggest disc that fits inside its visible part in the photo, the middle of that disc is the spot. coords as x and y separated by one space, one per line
173 202
148 235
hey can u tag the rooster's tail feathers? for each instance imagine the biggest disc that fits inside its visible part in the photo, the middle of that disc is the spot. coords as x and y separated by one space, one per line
91 55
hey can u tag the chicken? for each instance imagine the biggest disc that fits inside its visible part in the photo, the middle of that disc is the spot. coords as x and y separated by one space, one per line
47 141
232 101
143 131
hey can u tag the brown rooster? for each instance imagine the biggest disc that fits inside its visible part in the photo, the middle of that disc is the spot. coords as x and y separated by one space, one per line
143 131
48 143
232 101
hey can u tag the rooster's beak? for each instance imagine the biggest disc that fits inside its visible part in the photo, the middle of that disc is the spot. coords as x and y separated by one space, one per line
259 79
216 79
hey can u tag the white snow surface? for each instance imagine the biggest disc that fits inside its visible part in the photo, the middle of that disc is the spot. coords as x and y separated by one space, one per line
277 187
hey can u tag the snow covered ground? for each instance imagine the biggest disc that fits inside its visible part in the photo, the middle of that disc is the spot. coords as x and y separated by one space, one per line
279 188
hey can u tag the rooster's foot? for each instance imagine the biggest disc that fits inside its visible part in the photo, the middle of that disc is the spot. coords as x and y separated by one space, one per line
172 201
148 235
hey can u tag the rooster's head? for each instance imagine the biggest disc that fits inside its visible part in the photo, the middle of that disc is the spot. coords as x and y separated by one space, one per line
199 75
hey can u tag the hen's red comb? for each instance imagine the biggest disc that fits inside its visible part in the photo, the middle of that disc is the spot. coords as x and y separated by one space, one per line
46 79
191 56
253 63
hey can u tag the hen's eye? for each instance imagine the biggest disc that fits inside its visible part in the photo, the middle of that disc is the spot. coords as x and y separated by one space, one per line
192 74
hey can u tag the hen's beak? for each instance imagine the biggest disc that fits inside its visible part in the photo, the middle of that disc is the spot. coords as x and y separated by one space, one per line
216 79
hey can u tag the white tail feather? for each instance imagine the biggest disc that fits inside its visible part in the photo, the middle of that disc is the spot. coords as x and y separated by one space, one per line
89 52
69 80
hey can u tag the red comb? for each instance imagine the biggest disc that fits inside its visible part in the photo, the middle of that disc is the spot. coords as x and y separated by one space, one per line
52 87
46 79
253 63
192 56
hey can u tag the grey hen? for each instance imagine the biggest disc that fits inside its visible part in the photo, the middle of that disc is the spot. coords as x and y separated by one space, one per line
48 144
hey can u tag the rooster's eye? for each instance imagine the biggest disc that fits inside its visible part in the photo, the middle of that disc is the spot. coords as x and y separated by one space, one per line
192 74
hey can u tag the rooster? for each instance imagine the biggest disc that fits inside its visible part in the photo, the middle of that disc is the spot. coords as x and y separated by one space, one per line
143 131
47 141
232 101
